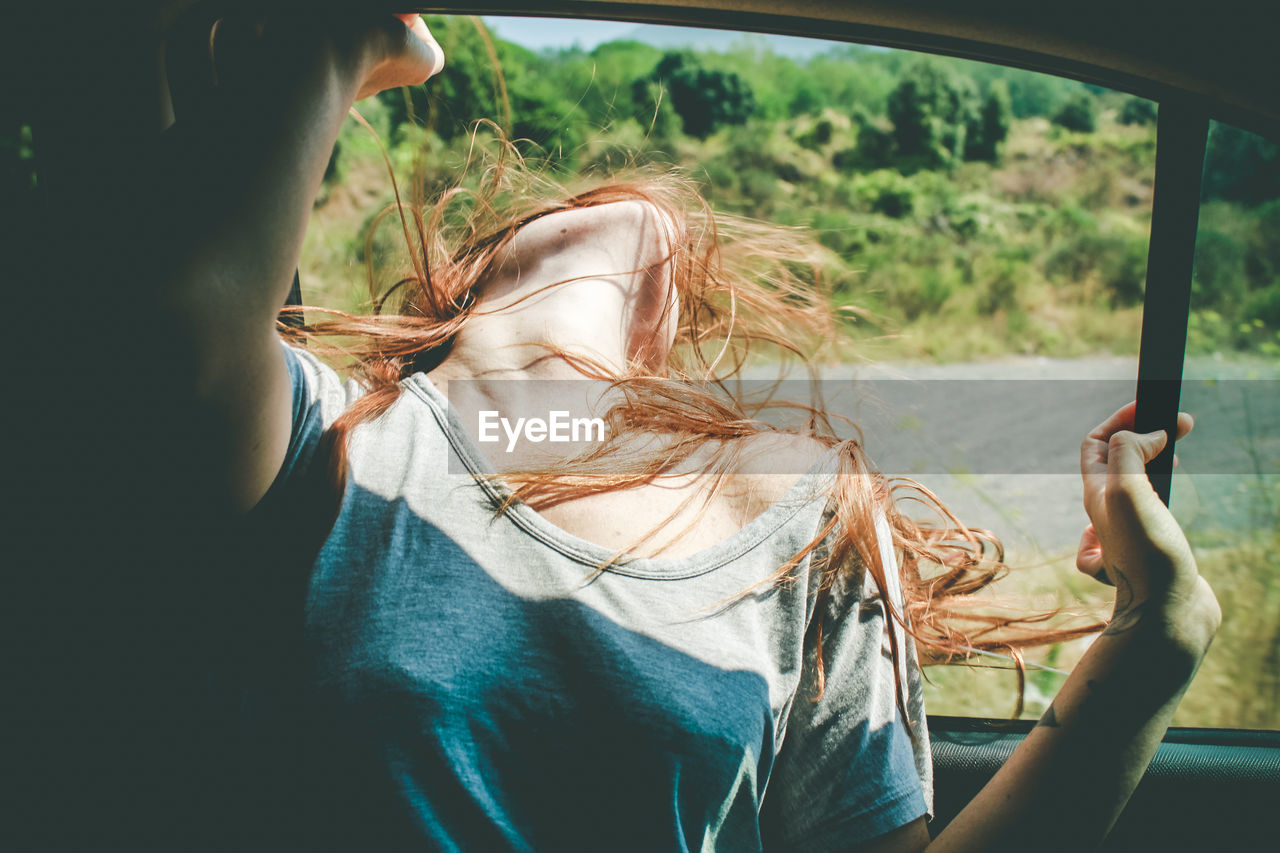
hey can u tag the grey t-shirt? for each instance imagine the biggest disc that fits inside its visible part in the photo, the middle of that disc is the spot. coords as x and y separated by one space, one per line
507 696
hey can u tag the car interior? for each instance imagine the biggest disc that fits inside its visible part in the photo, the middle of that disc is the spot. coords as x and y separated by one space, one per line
1202 64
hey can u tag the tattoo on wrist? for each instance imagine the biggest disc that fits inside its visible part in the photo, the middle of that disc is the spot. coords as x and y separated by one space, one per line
1128 613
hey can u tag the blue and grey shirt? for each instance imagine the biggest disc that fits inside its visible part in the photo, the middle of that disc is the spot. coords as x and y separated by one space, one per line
500 694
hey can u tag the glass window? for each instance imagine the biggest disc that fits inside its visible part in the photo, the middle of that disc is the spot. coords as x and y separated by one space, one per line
1227 493
988 228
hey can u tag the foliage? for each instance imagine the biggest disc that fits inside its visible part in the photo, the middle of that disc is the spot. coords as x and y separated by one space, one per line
467 88
1241 166
931 110
961 223
939 120
1032 94
703 98
1117 261
1219 270
1235 290
1138 111
817 136
983 139
1079 113
874 148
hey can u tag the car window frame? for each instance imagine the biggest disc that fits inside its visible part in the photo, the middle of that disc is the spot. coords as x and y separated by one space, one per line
1181 137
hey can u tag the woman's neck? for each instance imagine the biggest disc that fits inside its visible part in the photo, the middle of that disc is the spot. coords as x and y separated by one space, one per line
572 295
550 337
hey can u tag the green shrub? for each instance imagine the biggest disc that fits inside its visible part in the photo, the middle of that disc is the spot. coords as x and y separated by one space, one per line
1000 286
1138 111
931 110
818 135
1079 113
985 135
886 192
1119 261
917 291
873 151
1266 252
705 99
1219 281
1240 166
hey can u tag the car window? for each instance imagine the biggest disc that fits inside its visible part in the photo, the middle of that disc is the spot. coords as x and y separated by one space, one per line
1227 493
986 228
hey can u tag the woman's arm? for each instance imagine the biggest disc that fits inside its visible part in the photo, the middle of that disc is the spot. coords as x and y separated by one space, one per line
1065 785
233 189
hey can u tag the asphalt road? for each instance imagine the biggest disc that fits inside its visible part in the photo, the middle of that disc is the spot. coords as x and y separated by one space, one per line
999 441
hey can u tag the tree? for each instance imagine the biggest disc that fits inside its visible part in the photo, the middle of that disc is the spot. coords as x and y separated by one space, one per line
931 110
613 67
465 91
873 151
1240 166
984 136
1138 111
704 99
1079 113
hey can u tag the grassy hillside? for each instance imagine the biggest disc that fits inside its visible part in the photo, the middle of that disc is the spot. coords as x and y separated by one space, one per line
971 211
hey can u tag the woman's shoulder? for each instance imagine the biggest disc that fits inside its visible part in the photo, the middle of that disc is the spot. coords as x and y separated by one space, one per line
769 465
317 384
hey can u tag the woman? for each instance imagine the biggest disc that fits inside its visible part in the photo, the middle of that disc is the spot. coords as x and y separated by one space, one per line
576 655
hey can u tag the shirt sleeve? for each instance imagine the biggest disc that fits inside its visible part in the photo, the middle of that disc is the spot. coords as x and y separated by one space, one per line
848 768
319 396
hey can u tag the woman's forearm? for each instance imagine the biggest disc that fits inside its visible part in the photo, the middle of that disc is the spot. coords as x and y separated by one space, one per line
1065 785
235 184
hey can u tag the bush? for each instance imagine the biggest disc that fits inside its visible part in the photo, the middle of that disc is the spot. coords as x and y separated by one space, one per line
703 98
545 120
873 151
917 291
1124 271
818 135
886 192
1119 261
1264 253
1000 286
1219 281
1240 166
931 110
1079 113
984 136
1138 111
1264 306
655 112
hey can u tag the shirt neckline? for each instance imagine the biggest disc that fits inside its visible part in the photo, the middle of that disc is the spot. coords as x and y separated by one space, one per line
801 494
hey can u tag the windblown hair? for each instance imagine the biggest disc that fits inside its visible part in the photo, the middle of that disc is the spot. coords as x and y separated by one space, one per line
745 288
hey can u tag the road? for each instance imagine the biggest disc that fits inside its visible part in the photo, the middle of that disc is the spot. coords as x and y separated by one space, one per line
999 441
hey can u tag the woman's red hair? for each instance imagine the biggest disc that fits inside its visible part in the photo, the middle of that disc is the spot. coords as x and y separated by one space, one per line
745 288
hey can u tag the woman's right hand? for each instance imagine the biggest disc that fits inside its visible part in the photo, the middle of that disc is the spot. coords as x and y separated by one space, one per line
1134 543
1076 769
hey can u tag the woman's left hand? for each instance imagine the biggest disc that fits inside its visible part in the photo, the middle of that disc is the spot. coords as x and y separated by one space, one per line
411 57
376 54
